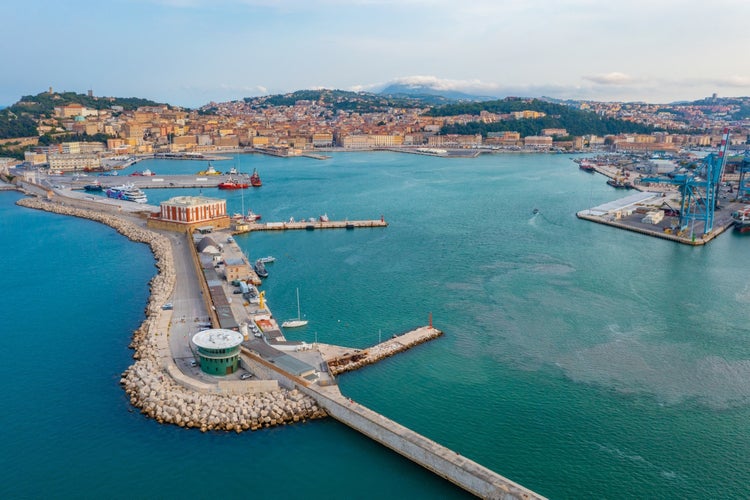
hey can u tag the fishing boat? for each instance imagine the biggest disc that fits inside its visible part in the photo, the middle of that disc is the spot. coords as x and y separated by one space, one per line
295 323
209 171
741 220
255 179
232 183
260 269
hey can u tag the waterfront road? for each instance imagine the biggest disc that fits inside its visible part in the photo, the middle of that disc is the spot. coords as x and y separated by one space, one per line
189 309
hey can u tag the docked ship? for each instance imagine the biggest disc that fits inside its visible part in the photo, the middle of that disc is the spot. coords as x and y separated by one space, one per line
93 187
587 166
741 220
260 269
619 184
232 183
146 173
127 192
255 179
209 171
133 193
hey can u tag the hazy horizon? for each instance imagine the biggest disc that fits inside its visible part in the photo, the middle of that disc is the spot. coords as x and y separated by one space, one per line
191 52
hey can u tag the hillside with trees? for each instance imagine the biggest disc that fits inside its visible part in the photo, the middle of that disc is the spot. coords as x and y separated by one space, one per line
360 102
20 119
575 121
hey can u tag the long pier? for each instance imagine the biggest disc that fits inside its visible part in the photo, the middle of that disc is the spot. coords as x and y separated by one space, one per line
342 360
448 464
311 225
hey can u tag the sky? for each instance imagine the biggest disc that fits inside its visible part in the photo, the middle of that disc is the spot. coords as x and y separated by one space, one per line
192 52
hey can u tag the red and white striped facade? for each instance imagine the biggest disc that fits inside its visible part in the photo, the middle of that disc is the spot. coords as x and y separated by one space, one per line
192 209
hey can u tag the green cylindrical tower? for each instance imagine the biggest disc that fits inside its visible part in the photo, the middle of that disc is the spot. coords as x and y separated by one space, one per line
219 350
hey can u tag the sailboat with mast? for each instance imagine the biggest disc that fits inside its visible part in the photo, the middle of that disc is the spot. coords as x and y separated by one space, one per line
295 323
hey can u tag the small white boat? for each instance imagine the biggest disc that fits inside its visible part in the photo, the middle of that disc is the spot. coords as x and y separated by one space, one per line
295 323
268 259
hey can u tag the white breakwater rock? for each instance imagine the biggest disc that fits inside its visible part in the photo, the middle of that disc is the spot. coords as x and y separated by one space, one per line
151 389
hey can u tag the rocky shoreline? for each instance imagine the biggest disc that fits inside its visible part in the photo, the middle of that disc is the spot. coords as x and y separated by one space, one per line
150 388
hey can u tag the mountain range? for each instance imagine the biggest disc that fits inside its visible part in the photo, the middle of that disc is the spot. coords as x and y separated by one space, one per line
430 94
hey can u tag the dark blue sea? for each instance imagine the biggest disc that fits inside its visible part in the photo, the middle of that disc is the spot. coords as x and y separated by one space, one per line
579 360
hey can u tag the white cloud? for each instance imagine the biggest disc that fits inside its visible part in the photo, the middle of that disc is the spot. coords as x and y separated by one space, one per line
732 81
613 78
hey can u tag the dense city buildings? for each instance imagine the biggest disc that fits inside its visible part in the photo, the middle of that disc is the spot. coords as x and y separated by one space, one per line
291 125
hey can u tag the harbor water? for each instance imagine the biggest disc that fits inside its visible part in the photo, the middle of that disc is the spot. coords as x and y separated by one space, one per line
578 360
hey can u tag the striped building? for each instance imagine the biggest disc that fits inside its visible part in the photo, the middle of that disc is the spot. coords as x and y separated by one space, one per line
183 212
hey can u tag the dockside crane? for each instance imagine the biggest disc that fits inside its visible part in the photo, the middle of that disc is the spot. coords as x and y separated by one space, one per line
743 189
699 188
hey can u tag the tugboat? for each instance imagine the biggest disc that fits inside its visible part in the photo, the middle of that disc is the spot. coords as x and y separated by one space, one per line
255 179
232 183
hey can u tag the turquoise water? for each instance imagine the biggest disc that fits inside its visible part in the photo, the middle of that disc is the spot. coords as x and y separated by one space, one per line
578 360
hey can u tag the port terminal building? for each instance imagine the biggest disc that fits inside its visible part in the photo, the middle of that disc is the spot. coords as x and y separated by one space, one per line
218 350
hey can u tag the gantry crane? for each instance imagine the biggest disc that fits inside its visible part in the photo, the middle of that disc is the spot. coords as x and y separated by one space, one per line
699 188
743 189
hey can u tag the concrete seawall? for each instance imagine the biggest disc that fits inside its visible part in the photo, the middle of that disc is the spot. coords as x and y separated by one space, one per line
459 470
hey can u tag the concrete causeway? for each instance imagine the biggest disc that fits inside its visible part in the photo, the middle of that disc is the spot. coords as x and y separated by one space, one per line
448 464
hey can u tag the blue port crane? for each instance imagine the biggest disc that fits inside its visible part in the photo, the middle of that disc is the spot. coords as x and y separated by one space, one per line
699 188
743 189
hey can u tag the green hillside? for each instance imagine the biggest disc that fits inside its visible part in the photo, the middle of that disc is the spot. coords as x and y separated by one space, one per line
20 119
575 121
